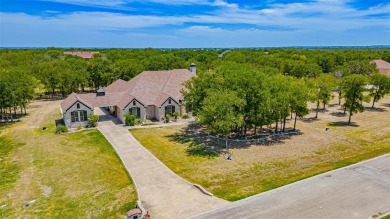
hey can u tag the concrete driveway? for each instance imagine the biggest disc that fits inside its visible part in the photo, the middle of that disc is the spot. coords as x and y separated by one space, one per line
162 192
357 191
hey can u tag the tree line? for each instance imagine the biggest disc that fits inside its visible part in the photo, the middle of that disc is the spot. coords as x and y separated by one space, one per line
235 98
27 73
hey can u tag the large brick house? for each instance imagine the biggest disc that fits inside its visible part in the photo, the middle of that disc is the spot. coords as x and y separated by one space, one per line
149 95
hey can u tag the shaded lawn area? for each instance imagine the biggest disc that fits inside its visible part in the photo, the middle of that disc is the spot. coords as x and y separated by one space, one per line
257 168
76 175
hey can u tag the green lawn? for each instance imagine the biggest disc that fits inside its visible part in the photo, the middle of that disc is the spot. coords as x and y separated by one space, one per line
75 175
256 169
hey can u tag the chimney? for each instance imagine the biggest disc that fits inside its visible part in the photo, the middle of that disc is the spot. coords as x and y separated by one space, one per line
193 68
100 92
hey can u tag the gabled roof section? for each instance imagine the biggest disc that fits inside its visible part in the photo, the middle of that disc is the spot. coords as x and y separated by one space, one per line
126 100
117 86
382 66
154 87
72 99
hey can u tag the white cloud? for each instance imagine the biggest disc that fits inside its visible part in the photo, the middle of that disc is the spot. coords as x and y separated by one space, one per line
303 20
119 3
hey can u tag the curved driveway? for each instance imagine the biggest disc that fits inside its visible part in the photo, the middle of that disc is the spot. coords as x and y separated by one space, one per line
162 192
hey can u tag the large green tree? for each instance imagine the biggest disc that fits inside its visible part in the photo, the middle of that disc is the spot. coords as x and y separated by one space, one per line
321 90
381 87
353 88
221 112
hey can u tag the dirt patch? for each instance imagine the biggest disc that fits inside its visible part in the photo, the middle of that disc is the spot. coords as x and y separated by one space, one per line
46 190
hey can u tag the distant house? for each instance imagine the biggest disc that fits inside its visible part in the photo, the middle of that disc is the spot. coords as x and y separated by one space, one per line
135 213
149 95
84 55
382 66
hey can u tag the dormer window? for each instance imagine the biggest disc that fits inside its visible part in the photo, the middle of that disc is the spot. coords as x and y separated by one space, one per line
169 101
78 106
134 103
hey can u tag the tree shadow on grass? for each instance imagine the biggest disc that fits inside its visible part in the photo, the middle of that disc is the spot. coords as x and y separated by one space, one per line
310 120
320 110
342 123
376 109
333 105
200 143
338 114
386 105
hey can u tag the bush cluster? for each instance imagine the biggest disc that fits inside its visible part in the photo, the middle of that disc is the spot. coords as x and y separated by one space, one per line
61 129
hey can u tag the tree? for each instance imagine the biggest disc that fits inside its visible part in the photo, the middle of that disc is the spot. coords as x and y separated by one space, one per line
353 88
279 86
126 69
362 67
321 89
381 87
299 99
221 112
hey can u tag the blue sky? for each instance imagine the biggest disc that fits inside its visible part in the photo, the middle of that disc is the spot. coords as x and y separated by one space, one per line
193 23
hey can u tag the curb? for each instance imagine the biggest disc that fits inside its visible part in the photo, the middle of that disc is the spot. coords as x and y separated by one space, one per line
204 191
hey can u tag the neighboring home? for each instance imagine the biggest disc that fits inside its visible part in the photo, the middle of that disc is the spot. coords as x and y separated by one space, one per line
149 95
382 66
84 55
135 213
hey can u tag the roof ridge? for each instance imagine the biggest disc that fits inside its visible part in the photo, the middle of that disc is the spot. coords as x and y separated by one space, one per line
166 81
83 101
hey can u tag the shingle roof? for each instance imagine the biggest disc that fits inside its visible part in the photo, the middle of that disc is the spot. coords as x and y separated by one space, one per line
149 88
117 86
154 87
85 55
125 100
109 99
71 99
134 212
382 66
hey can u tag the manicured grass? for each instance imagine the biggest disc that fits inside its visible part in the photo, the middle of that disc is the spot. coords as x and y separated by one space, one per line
259 168
76 175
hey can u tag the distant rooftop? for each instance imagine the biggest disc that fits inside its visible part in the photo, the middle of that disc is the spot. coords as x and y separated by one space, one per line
382 66
84 55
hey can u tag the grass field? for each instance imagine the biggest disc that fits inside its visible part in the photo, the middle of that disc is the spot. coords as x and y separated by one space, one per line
257 168
76 175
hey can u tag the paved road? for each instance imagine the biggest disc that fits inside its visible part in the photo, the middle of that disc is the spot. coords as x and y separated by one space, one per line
358 191
162 192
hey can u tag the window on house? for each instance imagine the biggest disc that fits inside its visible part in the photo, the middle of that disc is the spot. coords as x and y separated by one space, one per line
78 106
169 110
169 101
78 116
134 103
136 111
